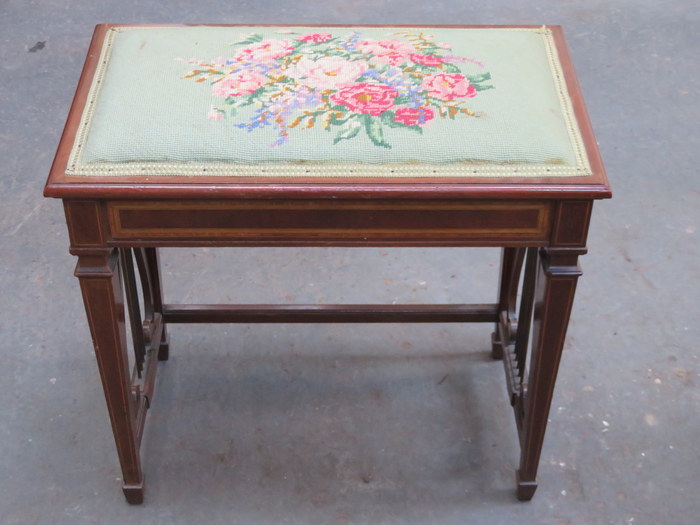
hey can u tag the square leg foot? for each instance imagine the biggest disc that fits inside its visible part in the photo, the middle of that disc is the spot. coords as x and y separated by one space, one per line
526 489
164 349
133 493
496 347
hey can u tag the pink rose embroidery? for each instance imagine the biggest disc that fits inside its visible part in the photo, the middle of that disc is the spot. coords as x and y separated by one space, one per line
236 84
413 116
426 60
362 97
392 52
265 51
316 38
327 72
448 86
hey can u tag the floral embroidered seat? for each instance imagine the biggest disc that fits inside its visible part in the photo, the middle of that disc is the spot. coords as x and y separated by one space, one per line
333 102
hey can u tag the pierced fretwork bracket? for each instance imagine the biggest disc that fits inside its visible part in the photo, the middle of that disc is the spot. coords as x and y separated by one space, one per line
514 335
146 331
510 364
132 302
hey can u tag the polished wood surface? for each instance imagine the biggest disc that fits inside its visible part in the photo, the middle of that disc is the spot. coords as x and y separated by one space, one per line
116 224
331 313
326 222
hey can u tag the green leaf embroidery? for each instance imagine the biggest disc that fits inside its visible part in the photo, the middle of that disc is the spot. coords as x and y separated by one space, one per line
250 39
482 87
450 68
242 101
475 79
348 130
374 130
335 121
388 118
415 128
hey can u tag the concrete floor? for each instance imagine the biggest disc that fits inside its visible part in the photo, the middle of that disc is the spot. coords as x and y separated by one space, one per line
354 424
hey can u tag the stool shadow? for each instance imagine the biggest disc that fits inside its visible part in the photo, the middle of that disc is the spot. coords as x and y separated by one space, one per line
331 431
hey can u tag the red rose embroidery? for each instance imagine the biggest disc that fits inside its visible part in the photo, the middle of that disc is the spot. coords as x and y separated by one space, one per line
413 116
362 97
316 38
426 60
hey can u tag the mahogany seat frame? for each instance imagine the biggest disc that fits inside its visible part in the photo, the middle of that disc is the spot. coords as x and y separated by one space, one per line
114 222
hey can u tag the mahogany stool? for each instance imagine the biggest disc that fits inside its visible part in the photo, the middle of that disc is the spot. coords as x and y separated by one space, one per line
327 136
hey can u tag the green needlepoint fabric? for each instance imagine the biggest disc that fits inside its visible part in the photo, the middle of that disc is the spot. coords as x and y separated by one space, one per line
333 102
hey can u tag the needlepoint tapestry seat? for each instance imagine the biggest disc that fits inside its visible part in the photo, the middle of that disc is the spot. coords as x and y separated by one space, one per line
329 102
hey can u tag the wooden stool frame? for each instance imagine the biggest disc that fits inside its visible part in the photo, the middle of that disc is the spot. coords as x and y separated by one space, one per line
117 224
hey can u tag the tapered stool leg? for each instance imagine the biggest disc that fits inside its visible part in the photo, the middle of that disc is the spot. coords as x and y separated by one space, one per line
556 284
101 287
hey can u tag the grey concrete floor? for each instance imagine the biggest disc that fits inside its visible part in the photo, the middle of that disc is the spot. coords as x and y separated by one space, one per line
355 424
